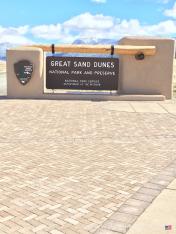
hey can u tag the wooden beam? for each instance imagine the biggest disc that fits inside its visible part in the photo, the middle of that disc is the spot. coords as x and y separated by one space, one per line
100 49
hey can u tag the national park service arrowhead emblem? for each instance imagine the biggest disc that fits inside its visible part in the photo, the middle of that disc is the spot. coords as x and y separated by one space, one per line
23 70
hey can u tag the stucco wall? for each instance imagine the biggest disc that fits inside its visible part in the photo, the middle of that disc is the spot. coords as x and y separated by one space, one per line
154 74
34 89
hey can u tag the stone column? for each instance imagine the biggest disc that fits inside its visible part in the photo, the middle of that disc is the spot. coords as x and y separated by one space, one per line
33 89
154 74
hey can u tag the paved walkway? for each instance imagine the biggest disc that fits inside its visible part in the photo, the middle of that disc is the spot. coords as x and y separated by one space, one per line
68 166
160 216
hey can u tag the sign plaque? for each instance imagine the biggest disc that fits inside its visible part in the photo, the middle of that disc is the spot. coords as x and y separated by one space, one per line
23 70
82 73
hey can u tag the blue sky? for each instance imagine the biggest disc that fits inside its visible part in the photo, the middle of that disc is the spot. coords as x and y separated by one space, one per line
64 21
36 12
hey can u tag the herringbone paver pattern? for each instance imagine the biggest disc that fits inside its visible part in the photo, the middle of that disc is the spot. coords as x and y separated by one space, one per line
65 167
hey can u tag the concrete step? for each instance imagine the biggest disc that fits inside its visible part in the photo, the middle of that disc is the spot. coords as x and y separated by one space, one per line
104 97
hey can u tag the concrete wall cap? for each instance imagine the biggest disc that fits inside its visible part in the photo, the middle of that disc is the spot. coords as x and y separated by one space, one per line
25 48
146 38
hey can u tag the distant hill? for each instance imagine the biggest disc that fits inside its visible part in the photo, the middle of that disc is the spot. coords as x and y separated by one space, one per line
95 41
2 58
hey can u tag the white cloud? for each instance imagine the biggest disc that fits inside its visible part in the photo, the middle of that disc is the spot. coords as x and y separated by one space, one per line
171 12
14 35
164 1
85 26
163 28
89 22
99 26
14 31
99 1
47 31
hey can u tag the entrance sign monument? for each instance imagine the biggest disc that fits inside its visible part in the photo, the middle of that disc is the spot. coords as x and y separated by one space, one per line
143 71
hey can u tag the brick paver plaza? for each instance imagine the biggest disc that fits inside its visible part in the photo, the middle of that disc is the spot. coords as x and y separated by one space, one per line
67 166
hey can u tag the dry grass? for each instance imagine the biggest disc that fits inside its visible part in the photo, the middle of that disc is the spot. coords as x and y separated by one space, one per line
2 67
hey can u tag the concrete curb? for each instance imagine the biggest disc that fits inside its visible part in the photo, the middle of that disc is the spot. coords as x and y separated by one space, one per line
121 221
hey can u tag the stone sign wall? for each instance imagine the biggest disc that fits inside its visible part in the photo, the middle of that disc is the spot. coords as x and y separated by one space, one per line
150 78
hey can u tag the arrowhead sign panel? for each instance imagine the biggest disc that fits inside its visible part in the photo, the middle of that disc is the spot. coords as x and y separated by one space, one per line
82 73
23 70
